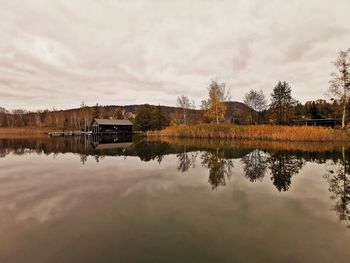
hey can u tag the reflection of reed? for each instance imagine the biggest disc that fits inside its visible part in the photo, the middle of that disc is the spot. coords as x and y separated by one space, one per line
250 144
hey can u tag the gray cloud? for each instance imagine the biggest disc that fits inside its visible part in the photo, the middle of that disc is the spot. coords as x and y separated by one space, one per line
60 53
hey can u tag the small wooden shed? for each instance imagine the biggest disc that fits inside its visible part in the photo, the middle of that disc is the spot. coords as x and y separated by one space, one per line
110 126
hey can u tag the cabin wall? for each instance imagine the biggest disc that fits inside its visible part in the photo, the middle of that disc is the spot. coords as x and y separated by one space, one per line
111 129
94 128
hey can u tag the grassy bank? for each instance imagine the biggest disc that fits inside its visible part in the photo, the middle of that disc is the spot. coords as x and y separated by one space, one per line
254 132
23 132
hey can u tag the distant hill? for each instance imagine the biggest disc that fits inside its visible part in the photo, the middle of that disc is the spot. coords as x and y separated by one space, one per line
134 108
235 110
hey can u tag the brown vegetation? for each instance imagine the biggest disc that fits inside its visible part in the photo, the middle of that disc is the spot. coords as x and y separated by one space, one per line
254 132
23 132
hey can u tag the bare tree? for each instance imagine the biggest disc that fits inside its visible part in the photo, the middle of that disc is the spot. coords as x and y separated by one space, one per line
184 103
340 82
256 100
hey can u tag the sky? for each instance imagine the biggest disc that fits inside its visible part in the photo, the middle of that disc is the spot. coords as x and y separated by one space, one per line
59 53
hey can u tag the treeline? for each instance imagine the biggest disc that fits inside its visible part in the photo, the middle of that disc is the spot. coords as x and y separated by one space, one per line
148 117
283 108
81 118
255 110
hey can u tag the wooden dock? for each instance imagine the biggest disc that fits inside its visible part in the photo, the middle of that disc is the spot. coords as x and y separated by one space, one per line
67 133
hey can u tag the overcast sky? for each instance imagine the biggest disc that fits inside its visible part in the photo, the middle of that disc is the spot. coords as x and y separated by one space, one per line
62 52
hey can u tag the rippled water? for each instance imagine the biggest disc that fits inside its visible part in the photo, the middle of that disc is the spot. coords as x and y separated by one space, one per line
115 200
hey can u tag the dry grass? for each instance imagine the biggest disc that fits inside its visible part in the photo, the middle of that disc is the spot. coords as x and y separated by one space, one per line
254 132
24 132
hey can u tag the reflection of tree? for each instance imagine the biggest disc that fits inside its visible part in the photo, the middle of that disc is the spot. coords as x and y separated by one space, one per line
339 185
98 158
255 165
283 166
186 160
3 153
83 158
148 151
219 167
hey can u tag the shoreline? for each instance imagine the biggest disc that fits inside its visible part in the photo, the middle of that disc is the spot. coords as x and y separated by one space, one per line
230 132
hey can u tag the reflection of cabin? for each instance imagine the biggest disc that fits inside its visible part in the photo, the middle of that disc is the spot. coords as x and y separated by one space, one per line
108 126
105 142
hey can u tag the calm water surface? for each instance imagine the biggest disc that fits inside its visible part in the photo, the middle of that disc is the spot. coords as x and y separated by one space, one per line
108 200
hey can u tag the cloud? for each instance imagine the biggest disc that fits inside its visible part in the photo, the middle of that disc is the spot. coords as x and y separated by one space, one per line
124 52
39 195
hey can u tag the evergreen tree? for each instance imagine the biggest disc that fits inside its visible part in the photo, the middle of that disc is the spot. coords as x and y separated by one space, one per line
282 103
314 111
161 120
150 118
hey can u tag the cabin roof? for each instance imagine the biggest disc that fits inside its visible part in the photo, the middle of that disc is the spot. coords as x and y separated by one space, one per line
112 122
106 146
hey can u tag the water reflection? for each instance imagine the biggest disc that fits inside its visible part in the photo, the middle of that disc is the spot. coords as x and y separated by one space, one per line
111 142
283 166
338 178
186 160
255 165
277 163
219 168
148 150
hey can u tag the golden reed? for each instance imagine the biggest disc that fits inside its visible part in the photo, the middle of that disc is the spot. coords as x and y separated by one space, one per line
23 132
254 132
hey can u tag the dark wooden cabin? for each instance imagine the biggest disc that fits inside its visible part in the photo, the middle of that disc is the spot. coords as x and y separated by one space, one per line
109 126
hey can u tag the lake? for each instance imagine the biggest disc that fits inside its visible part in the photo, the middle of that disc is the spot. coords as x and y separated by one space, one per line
79 199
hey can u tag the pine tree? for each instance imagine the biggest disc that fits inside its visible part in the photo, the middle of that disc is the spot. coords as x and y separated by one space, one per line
282 103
